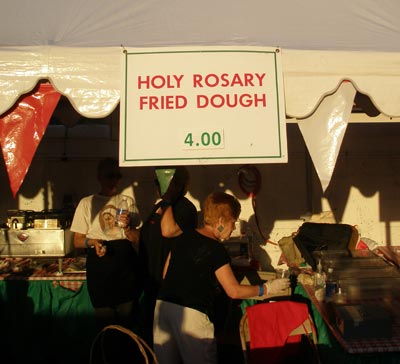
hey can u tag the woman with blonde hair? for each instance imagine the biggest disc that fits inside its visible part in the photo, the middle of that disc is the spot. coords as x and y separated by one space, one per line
196 269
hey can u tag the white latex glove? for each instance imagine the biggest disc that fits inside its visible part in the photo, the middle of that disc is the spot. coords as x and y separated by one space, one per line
277 285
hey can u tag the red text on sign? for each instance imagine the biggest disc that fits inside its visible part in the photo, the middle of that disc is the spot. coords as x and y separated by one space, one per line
162 102
227 80
231 100
159 81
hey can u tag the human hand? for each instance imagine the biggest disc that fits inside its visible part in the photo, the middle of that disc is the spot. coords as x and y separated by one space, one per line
177 186
278 285
101 249
135 220
174 191
124 219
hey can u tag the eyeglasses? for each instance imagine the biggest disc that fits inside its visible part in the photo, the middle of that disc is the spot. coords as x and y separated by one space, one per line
113 175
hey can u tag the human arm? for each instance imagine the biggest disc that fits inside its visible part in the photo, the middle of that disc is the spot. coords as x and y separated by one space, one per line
81 225
133 236
175 192
169 227
166 265
181 217
232 287
235 290
80 241
131 233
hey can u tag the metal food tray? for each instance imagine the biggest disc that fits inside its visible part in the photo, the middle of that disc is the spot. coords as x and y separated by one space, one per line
367 272
35 242
357 288
354 263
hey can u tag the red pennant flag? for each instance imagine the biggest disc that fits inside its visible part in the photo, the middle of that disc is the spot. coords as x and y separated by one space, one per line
22 129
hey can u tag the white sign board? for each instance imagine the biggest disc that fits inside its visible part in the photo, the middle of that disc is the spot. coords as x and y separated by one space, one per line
214 105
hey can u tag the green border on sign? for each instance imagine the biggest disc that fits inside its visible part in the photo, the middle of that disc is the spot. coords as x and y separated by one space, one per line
127 54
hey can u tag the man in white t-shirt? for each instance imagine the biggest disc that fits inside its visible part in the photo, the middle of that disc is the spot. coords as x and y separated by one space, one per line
114 272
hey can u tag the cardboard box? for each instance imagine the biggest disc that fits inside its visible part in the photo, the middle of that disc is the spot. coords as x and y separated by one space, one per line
363 321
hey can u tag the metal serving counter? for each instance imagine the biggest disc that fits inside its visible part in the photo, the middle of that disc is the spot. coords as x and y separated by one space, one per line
35 242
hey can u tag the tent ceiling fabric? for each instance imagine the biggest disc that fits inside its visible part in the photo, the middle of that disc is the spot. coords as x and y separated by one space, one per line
309 76
314 24
77 45
91 77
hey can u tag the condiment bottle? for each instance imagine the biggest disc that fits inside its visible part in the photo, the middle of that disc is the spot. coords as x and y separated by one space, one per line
319 282
331 287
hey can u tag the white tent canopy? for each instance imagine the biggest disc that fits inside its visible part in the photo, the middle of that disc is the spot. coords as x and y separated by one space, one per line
77 45
313 24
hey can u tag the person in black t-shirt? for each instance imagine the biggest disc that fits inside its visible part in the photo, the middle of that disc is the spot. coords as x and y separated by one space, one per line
154 247
196 269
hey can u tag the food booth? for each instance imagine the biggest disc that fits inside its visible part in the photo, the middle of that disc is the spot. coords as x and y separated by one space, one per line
340 52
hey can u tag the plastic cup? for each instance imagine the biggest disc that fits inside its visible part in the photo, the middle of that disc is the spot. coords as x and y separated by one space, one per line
282 273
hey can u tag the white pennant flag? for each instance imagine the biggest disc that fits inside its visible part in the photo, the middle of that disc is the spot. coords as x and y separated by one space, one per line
323 131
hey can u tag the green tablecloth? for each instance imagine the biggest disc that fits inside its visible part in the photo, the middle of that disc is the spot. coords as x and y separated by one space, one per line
43 322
